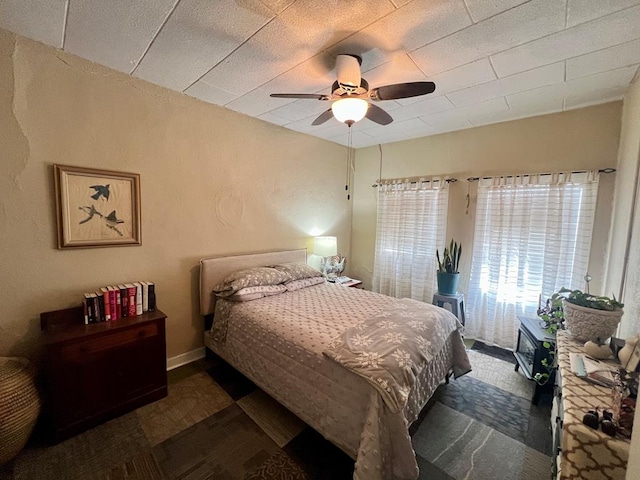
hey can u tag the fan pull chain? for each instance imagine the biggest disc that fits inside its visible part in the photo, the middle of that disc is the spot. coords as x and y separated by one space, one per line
347 186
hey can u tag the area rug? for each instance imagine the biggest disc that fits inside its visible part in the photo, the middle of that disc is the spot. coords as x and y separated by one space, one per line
496 352
479 426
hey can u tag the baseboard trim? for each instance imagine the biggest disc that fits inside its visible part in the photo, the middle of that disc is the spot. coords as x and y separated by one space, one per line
184 358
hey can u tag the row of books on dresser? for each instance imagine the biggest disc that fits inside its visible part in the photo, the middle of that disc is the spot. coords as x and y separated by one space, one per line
119 301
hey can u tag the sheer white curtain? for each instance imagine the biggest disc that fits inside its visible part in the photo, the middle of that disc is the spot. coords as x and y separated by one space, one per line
532 236
411 225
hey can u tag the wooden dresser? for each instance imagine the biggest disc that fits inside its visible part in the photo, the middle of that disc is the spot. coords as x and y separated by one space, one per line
582 452
99 371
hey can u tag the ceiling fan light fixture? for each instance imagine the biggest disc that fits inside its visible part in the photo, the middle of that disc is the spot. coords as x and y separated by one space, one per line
350 110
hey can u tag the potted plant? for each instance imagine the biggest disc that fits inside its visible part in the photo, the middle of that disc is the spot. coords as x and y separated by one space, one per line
589 317
448 275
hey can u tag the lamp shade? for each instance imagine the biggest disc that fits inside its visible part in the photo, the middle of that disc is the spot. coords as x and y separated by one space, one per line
350 109
325 246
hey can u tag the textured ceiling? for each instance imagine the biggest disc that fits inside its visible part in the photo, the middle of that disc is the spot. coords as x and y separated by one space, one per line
491 60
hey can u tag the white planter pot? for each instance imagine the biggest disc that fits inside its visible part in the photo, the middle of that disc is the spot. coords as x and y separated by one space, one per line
590 324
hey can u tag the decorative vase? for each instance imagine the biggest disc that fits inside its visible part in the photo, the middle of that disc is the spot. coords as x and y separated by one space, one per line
590 324
625 352
448 283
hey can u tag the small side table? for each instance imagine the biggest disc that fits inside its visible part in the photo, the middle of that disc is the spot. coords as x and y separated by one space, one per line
530 352
455 302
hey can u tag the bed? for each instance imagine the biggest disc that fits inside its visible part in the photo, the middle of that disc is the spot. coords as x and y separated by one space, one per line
291 344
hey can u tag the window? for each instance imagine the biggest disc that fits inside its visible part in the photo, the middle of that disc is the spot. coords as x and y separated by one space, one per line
532 236
411 225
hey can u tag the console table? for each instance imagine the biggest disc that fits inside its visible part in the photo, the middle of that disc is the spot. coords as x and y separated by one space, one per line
580 451
102 370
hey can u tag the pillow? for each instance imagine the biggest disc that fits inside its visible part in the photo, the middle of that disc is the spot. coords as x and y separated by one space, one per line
250 277
303 282
253 293
298 271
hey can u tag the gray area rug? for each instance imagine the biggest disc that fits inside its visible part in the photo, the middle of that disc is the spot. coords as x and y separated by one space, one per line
215 424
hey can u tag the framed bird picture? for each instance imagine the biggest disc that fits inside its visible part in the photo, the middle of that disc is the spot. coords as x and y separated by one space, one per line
96 208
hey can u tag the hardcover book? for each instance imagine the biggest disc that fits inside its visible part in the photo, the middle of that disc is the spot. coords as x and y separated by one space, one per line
145 296
113 307
131 289
106 304
138 298
100 315
152 296
124 300
85 308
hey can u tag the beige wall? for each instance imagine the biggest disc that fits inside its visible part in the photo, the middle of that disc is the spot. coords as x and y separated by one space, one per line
213 182
625 255
575 140
626 185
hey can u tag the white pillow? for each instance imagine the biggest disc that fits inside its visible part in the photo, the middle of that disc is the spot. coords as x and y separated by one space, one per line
253 293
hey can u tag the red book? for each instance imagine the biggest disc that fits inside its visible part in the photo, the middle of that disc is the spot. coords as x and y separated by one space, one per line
131 295
107 303
118 303
113 302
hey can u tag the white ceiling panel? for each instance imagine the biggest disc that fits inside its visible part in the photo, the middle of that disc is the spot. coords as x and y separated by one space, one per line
303 30
301 109
197 36
397 127
428 106
459 114
398 70
594 97
491 60
114 33
473 73
538 101
257 102
483 9
41 20
509 29
415 24
277 6
581 11
588 37
272 118
603 60
209 93
520 82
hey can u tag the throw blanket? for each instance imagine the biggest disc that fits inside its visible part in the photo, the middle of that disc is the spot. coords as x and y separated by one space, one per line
392 348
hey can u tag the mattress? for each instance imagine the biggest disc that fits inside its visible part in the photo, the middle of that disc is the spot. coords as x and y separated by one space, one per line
278 342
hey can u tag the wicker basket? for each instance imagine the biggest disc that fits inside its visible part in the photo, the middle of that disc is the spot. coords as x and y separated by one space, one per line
19 405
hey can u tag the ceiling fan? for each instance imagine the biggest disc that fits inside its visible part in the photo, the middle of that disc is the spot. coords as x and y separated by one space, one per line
350 94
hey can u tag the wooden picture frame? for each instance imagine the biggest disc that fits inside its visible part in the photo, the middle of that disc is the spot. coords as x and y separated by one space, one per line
96 208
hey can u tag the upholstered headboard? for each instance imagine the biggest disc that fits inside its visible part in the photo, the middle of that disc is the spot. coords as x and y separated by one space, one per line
215 270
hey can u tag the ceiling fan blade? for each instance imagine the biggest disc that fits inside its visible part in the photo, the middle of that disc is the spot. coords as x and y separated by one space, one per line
378 115
324 116
313 96
402 90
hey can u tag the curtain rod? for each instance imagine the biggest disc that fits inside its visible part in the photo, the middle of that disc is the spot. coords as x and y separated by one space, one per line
377 184
475 179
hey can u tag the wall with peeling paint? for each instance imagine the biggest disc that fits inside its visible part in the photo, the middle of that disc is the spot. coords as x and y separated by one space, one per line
213 182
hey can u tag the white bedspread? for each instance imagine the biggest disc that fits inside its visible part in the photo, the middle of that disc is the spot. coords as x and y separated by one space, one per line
279 341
